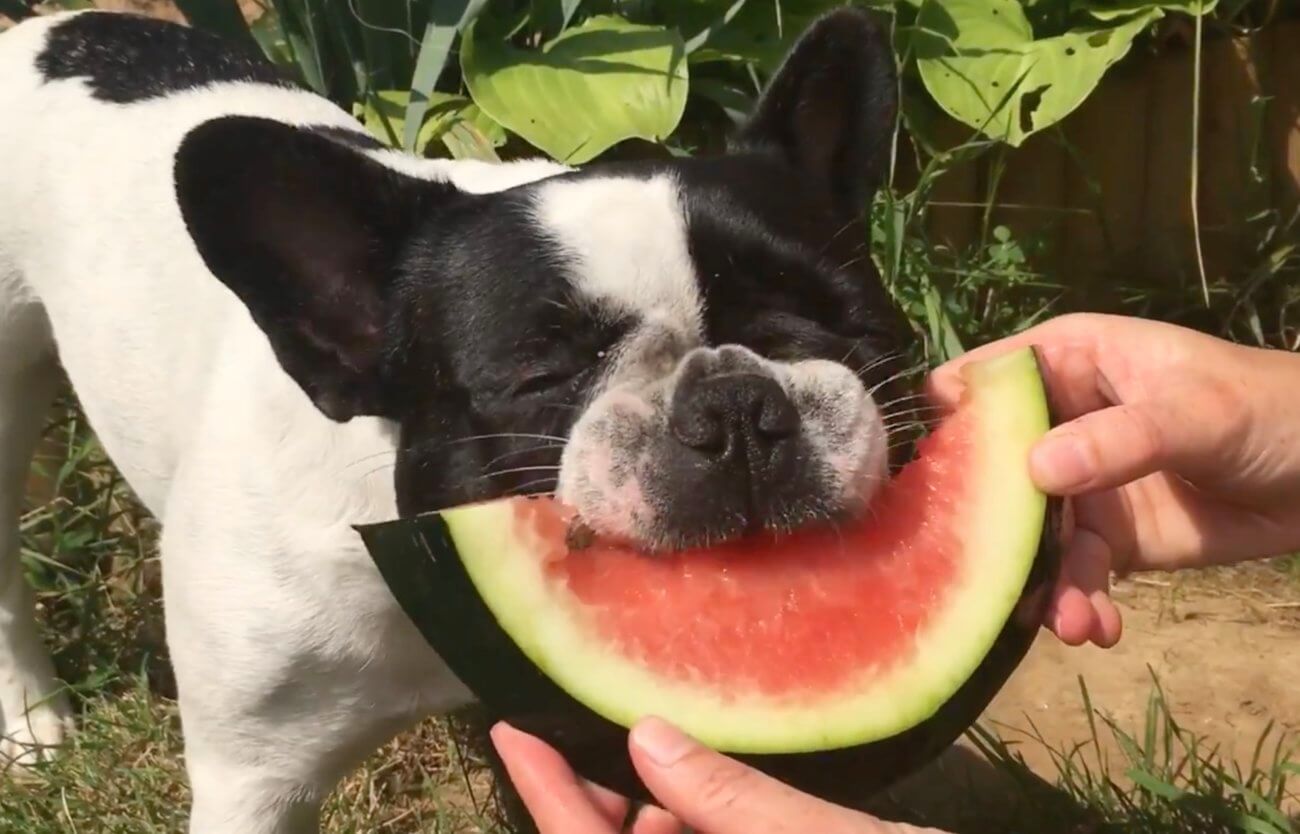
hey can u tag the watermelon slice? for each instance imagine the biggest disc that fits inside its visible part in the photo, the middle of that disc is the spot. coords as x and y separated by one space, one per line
863 650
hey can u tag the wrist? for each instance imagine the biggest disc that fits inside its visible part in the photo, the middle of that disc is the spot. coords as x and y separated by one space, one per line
1273 427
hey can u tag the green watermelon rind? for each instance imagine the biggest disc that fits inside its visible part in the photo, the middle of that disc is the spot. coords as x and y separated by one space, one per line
1004 524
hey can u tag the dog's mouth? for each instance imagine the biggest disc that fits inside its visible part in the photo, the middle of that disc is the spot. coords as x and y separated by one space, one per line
646 490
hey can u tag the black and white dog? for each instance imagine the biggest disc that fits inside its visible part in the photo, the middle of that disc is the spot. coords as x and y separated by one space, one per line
279 329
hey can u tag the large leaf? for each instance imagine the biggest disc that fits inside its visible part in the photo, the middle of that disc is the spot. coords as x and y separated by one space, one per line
1115 9
758 33
385 114
981 63
593 86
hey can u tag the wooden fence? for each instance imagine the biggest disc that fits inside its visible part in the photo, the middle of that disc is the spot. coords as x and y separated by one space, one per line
1110 190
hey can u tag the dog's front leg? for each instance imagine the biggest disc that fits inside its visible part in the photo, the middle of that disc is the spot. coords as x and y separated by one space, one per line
233 794
293 664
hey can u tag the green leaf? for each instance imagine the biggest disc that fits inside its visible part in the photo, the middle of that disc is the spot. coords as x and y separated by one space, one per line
943 336
299 28
384 114
465 141
459 116
1116 9
567 8
981 63
736 101
446 19
268 34
759 34
702 37
593 86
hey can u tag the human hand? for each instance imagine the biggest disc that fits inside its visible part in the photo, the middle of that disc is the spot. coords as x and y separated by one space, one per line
1180 450
699 788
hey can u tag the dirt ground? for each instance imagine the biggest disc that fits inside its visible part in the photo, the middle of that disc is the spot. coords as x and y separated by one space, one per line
1225 648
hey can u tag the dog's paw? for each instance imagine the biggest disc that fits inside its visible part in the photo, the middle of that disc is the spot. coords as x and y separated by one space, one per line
34 737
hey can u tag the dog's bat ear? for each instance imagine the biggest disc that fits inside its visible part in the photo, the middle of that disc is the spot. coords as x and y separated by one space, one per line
829 110
305 229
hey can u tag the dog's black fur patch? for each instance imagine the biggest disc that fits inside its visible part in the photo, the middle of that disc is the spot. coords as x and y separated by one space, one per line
309 234
126 58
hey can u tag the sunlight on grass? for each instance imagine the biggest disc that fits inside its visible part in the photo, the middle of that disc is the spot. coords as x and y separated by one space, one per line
1166 778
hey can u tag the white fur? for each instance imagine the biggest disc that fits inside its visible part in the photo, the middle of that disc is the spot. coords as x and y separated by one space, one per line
627 240
292 660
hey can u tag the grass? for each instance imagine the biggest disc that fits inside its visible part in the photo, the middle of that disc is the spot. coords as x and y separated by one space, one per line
1166 777
90 552
1155 778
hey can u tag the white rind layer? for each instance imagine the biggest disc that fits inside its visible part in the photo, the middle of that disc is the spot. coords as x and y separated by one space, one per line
1003 523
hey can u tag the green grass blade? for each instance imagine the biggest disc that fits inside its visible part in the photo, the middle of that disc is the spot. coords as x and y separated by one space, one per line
703 36
300 34
1154 785
446 19
567 9
347 44
384 31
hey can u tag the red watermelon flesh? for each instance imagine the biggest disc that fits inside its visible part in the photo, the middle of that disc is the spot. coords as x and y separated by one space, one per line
823 639
826 604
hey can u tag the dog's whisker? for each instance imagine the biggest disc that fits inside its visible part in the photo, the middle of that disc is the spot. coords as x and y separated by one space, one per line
528 485
517 469
840 231
898 400
875 363
387 466
896 376
850 262
936 410
518 452
556 441
509 435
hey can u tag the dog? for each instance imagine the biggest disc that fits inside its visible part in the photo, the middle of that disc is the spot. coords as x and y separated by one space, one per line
279 329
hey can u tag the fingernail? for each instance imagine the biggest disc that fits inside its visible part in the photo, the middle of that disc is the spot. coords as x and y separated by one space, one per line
1060 463
661 741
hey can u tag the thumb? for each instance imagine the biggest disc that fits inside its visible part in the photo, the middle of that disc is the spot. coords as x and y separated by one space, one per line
714 794
1120 444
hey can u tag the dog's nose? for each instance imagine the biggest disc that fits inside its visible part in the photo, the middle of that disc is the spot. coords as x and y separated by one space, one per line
737 420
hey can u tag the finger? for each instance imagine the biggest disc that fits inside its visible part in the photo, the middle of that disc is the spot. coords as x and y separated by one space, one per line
558 802
652 820
1120 444
612 806
1082 610
1068 358
945 383
712 793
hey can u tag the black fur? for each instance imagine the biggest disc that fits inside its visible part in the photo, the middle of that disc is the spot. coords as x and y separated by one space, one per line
309 234
353 138
830 109
127 58
499 345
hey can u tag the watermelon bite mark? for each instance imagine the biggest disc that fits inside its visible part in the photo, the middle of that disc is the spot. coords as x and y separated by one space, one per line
793 617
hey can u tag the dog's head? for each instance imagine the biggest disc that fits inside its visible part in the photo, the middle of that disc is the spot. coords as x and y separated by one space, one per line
683 350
